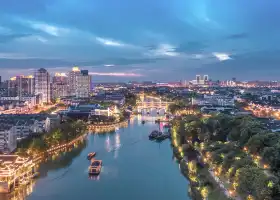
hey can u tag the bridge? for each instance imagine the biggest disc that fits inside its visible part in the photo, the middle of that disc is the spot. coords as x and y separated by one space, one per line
150 102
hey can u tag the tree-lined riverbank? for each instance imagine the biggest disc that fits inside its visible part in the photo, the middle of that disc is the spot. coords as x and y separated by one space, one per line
63 134
240 155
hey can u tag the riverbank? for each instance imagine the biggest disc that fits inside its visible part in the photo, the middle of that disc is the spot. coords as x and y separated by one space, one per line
58 148
202 186
106 127
228 152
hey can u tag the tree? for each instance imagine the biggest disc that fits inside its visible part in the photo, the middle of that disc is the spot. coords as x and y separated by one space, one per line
38 145
252 180
57 136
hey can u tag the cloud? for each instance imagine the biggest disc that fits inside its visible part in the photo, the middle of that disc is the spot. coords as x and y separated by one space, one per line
221 56
14 56
4 38
163 50
124 74
192 46
49 29
41 39
110 42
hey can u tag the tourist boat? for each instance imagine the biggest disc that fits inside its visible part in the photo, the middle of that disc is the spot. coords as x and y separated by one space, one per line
91 155
95 167
154 134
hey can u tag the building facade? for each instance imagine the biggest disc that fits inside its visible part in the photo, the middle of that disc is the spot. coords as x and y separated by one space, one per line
72 80
21 86
60 87
8 140
83 81
42 85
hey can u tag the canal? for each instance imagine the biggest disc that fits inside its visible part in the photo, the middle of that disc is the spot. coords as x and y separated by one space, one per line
133 168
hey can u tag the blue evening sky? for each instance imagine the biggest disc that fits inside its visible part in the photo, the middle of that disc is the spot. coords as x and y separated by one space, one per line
142 39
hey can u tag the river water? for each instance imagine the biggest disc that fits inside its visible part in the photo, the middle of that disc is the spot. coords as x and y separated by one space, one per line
133 168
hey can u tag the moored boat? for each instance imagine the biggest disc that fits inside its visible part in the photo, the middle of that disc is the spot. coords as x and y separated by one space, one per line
143 122
163 137
154 134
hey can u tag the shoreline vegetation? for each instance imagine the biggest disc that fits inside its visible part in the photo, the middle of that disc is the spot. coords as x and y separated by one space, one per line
104 127
227 157
64 135
58 138
70 130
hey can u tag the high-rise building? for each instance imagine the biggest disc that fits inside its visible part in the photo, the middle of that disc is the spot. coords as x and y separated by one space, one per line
43 85
198 79
205 78
21 86
83 80
72 80
60 85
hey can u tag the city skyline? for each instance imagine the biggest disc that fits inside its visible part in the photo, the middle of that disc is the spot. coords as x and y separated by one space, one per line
132 40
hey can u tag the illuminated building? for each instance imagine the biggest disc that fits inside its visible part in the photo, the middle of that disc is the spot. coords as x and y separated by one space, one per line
72 82
43 85
15 170
8 140
21 86
60 85
83 84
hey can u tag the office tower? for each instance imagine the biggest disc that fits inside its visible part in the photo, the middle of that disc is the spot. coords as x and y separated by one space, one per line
12 87
42 85
60 85
205 78
198 79
21 86
83 86
72 80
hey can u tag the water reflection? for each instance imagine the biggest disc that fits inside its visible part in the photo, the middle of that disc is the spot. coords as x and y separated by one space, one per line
56 161
117 145
94 177
62 159
122 154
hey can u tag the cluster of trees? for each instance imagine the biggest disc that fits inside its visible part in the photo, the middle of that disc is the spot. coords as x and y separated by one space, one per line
66 132
180 105
240 150
130 99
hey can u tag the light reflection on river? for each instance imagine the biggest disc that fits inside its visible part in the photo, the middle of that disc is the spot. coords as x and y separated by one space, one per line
133 168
